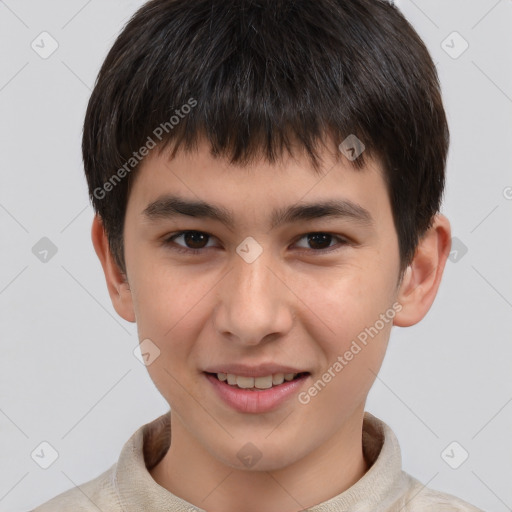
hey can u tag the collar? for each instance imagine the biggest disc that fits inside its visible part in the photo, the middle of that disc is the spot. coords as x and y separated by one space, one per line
381 485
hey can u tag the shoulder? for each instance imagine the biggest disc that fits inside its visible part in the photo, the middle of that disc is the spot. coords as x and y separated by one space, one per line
98 493
420 498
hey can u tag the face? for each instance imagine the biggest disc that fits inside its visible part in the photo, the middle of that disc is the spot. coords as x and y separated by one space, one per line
266 293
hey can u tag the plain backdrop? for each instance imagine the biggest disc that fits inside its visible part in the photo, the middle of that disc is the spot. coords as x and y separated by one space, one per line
68 373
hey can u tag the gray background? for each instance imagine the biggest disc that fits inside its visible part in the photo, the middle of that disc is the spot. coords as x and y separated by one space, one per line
68 374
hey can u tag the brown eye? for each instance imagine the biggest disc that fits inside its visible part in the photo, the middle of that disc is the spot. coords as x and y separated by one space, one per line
194 241
318 242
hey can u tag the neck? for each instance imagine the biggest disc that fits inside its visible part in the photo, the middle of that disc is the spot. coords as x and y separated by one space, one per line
190 472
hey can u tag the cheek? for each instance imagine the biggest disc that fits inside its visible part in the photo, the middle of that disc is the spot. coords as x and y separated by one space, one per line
353 338
170 313
346 323
173 306
164 300
347 304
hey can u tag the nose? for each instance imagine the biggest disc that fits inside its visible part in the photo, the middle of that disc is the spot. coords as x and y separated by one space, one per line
254 302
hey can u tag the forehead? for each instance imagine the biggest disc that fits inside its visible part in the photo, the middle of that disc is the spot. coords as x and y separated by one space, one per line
197 183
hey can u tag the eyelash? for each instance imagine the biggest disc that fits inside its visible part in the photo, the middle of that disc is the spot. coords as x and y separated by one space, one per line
184 250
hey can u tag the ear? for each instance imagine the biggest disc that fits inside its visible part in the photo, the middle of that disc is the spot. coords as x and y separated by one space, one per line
422 278
117 284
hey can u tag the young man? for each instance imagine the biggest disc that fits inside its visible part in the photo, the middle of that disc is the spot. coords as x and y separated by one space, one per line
267 177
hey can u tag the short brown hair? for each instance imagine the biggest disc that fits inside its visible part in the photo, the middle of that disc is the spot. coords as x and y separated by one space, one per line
263 73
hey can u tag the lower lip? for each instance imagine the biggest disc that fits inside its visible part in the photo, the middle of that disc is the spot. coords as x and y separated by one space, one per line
244 400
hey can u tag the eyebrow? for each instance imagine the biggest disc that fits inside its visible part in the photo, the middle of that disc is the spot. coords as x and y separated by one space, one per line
170 206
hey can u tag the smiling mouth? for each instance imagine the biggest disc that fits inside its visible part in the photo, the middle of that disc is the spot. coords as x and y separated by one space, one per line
257 383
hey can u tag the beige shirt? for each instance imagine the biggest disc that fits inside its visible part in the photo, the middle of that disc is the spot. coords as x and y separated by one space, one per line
128 486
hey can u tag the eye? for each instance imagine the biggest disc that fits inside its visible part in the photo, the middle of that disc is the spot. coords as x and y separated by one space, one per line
194 238
323 240
195 242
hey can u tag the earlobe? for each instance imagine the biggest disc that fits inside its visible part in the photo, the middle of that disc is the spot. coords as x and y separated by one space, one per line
117 283
422 278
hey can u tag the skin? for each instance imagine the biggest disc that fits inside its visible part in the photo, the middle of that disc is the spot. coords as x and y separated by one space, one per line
292 305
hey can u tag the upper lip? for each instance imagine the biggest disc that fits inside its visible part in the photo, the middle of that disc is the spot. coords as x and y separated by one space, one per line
261 370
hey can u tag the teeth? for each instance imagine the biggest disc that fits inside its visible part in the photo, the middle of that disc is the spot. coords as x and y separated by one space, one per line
256 382
245 382
277 379
262 382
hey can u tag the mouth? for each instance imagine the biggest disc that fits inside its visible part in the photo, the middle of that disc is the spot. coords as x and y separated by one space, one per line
256 395
257 383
